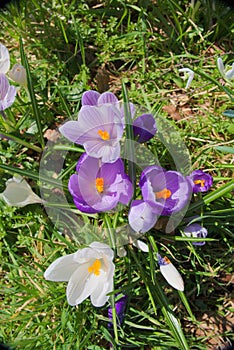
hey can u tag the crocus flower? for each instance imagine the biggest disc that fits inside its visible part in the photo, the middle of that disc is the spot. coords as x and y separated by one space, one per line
170 273
98 186
7 93
201 182
197 231
120 306
164 193
226 72
144 128
167 192
18 193
89 272
99 129
4 59
18 74
190 73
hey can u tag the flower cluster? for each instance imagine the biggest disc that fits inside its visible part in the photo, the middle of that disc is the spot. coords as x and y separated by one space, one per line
101 183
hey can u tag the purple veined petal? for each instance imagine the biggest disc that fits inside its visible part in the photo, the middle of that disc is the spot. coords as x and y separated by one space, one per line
4 86
9 98
144 128
90 98
107 97
4 59
123 189
61 269
141 217
170 273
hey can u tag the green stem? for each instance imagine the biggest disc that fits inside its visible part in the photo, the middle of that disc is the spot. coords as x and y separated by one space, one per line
21 142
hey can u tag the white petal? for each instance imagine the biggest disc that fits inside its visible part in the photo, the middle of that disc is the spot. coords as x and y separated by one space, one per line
172 275
141 245
61 269
190 74
99 295
230 73
220 66
18 193
81 285
102 248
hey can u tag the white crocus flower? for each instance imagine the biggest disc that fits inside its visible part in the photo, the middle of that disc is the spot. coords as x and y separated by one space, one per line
89 272
226 72
18 193
170 273
4 59
18 74
189 73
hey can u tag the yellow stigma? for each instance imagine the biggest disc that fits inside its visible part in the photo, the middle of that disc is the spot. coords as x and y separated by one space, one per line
165 193
104 135
199 182
95 267
100 184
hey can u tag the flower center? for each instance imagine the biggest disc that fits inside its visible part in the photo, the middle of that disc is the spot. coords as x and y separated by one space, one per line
95 267
100 184
199 182
165 193
104 135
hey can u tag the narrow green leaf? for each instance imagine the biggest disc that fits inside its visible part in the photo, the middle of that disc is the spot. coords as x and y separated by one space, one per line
35 108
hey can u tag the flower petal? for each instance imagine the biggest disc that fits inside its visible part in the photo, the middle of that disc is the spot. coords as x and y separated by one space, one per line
170 273
4 59
61 269
107 97
90 98
141 217
81 284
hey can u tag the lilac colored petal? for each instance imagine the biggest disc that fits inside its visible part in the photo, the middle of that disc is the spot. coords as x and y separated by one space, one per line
107 97
144 128
90 98
201 181
4 86
4 59
196 231
141 217
9 98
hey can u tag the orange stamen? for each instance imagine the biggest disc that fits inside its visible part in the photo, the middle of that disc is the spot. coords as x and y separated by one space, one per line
100 184
95 267
104 135
165 193
199 182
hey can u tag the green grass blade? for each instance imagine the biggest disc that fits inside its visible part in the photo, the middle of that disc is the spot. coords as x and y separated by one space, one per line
35 108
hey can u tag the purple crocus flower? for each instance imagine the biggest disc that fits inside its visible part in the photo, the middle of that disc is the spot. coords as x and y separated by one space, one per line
98 186
197 231
144 128
7 93
99 129
201 181
120 307
164 193
167 192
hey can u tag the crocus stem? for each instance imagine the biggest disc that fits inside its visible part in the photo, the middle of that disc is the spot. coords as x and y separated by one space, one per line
21 142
